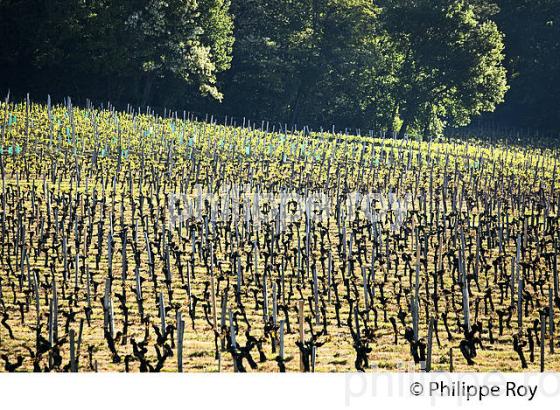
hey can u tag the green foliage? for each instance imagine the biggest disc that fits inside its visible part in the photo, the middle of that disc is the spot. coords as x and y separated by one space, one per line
315 61
126 48
448 62
167 42
414 66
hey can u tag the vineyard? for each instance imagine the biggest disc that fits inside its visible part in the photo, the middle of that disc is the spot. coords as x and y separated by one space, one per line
132 241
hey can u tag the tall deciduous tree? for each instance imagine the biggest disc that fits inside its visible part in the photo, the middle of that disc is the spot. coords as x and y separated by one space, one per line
308 61
448 62
125 48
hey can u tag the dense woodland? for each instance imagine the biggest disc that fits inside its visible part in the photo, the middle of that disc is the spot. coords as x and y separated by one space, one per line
398 65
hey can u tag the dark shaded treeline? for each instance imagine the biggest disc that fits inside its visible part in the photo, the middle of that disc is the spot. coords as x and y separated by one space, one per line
403 66
532 39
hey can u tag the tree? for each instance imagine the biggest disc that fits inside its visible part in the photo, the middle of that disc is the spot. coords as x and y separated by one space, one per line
315 62
350 78
269 54
121 49
178 41
448 63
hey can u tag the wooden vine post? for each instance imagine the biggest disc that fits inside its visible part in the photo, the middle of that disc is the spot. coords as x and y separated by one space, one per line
301 333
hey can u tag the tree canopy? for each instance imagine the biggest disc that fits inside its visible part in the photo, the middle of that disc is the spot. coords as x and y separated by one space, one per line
408 66
143 51
448 62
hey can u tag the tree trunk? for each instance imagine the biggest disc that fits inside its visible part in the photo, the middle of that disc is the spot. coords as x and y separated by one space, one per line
402 131
295 107
426 130
390 126
147 90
